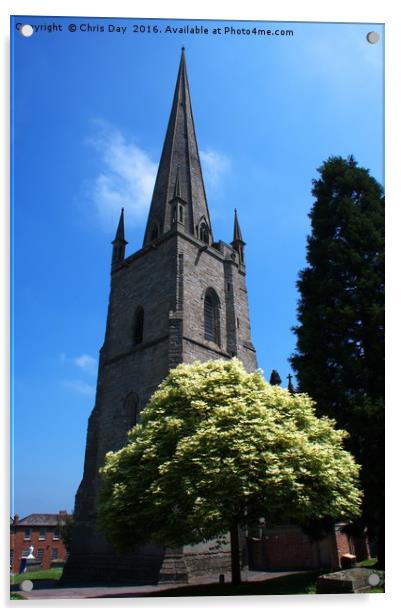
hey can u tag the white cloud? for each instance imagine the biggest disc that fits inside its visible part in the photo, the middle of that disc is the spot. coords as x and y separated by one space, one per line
79 387
87 363
126 178
127 175
214 165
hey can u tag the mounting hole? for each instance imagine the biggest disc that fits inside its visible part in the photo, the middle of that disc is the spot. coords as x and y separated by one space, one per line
374 579
373 37
26 30
26 585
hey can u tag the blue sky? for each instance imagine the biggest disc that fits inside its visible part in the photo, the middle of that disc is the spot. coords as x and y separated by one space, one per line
89 117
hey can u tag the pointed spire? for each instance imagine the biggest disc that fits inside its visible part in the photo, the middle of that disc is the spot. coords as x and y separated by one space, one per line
290 385
180 149
275 378
237 229
238 243
119 242
177 202
120 228
177 194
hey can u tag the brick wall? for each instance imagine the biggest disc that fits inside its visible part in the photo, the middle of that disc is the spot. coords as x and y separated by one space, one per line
46 542
289 548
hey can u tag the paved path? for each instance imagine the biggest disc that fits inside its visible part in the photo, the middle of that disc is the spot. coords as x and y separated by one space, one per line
98 592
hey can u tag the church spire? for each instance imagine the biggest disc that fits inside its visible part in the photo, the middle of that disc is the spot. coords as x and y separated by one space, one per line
119 242
237 230
238 243
180 174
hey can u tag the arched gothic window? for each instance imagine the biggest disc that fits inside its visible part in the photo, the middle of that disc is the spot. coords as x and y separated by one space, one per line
204 233
212 316
138 325
131 408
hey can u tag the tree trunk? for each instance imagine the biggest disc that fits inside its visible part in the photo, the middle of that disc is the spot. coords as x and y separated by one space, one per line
235 559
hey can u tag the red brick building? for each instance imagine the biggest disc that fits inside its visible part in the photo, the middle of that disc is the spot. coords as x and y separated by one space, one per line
286 548
42 531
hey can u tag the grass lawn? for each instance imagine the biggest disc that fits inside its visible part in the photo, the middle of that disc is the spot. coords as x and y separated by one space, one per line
293 584
369 564
41 574
16 597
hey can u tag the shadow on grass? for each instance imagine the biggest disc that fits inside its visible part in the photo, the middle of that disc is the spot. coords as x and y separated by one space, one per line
37 584
293 584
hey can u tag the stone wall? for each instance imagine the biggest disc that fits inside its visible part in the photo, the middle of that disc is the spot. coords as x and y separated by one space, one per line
168 279
217 268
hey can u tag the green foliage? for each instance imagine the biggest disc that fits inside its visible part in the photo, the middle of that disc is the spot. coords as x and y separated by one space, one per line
218 445
66 529
41 574
339 360
369 563
14 596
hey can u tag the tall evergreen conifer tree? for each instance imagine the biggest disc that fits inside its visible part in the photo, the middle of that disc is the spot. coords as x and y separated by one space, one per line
339 359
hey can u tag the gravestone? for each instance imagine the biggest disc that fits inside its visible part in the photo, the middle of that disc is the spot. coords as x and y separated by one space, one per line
355 580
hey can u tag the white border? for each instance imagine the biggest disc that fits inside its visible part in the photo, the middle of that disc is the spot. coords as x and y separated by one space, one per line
285 10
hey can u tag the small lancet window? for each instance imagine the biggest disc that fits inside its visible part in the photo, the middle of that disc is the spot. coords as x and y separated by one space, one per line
212 316
131 408
154 232
138 325
204 233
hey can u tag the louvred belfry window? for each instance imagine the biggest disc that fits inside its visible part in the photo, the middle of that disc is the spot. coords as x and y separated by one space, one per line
211 317
204 233
154 234
131 408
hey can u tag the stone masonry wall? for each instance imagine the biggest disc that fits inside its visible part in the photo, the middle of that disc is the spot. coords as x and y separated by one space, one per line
127 367
168 280
205 268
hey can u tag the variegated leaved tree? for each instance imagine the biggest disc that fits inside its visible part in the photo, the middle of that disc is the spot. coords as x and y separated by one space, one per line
218 448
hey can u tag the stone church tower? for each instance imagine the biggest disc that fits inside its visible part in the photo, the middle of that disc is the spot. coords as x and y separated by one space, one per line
182 297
